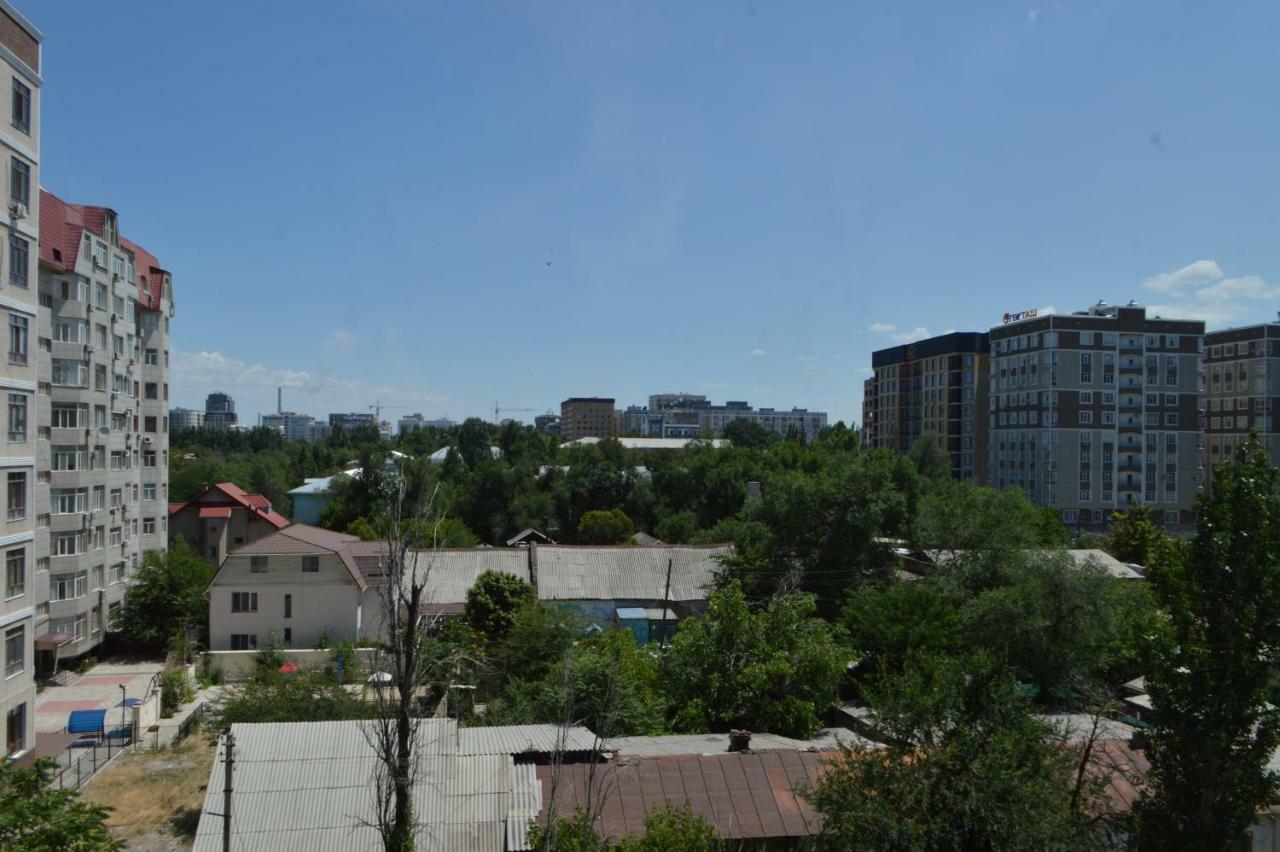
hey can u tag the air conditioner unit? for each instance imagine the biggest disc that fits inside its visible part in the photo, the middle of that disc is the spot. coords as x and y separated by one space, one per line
17 210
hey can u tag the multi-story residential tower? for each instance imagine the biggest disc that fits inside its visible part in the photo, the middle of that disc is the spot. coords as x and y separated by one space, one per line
936 386
185 418
1242 390
291 424
103 415
219 411
588 417
20 49
353 420
1098 410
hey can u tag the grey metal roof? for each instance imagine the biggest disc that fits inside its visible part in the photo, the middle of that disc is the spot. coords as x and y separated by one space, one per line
626 573
454 572
526 802
827 739
522 739
309 786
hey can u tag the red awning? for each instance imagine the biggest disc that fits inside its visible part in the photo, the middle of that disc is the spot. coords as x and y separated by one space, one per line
54 639
215 512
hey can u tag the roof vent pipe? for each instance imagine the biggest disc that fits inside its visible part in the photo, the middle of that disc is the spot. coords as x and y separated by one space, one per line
739 740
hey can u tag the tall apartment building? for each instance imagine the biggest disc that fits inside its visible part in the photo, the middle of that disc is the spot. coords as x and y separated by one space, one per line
219 411
185 418
20 48
937 386
588 417
683 415
1094 411
294 426
1242 390
353 420
102 409
410 422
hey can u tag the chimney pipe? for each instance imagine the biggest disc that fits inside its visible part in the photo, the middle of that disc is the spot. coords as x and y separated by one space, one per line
280 399
739 740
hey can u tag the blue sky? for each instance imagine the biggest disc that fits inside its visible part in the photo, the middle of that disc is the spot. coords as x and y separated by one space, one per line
440 205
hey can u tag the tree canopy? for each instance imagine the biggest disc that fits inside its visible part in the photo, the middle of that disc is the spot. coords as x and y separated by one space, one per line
166 597
35 816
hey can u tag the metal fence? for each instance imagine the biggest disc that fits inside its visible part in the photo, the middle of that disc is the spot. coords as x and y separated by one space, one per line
162 734
80 763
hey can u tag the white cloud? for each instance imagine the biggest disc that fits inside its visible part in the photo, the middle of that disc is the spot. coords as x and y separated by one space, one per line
253 385
1192 275
340 338
1244 287
1204 292
758 353
883 328
917 333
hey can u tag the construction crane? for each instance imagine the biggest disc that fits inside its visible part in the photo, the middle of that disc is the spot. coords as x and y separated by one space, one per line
377 407
498 411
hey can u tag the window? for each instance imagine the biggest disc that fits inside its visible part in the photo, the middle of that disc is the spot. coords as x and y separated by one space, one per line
1171 419
149 491
310 564
17 417
64 587
257 564
1086 338
19 253
17 339
1086 397
151 390
68 372
19 181
69 416
244 601
149 357
15 573
15 646
148 526
244 641
17 494
1086 417
15 738
21 114
1170 399
148 458
288 635
288 606
70 331
69 501
149 423
65 544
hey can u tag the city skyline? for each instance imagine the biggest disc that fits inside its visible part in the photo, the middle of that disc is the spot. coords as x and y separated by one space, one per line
772 196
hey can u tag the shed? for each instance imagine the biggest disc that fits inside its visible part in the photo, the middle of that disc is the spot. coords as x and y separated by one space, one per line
86 721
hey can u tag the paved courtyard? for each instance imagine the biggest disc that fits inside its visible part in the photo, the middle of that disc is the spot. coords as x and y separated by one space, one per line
97 689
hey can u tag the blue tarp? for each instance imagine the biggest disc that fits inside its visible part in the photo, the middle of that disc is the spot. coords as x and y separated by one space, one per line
86 721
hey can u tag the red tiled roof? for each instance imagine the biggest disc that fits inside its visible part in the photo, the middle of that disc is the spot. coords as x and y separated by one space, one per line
62 227
256 503
215 511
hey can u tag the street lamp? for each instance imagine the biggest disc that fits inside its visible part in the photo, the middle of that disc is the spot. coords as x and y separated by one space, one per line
124 704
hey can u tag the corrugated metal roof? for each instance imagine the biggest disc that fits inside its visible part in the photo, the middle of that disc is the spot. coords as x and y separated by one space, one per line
454 572
626 573
745 795
828 739
309 786
526 802
523 739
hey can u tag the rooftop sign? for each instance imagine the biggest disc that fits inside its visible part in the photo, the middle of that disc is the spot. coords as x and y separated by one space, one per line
1021 315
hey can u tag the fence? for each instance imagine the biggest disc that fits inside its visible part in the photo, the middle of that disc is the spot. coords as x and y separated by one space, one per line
167 733
80 763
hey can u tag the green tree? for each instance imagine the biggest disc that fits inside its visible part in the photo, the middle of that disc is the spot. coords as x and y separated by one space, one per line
966 768
166 596
671 828
885 623
34 816
492 602
960 517
1211 673
930 457
748 433
474 440
776 669
1134 536
611 526
677 528
303 696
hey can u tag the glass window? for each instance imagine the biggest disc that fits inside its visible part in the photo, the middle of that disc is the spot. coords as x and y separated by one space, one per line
310 564
17 495
19 256
19 182
20 116
17 339
18 417
15 572
15 647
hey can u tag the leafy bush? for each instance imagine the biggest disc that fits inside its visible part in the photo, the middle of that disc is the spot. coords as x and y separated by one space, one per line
601 526
175 690
492 602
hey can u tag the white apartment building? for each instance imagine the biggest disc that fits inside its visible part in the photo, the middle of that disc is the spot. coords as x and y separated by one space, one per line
102 409
20 49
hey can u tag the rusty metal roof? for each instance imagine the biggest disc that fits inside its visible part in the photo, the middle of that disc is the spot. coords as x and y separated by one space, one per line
745 795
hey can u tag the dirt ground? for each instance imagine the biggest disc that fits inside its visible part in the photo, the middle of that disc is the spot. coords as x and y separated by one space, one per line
156 795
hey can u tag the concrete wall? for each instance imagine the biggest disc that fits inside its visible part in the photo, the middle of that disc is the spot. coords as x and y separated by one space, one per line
238 665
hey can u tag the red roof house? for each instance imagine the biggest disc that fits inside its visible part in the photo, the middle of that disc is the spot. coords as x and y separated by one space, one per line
222 518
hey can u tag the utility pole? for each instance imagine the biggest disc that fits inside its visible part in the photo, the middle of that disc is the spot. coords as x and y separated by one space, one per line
229 758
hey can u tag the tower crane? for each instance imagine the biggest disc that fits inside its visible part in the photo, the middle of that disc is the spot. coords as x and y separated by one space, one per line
498 411
377 407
